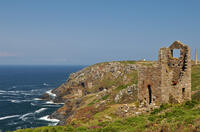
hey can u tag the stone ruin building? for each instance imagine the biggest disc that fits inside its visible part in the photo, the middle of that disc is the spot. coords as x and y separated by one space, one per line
170 80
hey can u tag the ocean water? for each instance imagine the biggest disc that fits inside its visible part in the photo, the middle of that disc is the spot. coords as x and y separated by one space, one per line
20 89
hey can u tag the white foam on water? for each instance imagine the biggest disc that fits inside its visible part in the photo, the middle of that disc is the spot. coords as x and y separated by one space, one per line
45 84
33 104
51 102
1 91
13 123
36 90
19 101
27 94
16 92
24 117
49 92
7 117
19 92
46 118
40 110
15 101
36 99
50 105
53 124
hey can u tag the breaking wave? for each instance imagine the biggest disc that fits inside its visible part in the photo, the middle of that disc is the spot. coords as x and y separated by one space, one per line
46 118
18 101
40 110
15 101
1 91
37 99
24 117
51 102
7 117
49 92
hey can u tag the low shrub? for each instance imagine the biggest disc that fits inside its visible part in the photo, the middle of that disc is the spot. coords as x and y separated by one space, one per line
151 118
189 120
196 96
162 107
190 104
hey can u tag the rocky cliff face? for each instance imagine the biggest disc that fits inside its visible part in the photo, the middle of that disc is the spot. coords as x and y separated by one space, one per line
99 92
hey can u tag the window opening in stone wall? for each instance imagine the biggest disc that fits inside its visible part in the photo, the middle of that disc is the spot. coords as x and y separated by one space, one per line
101 89
83 84
176 53
150 96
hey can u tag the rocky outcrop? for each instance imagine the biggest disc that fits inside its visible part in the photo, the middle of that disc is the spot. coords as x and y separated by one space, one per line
98 88
127 94
46 96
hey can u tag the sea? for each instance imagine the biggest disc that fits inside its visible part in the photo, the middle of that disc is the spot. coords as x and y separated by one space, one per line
20 90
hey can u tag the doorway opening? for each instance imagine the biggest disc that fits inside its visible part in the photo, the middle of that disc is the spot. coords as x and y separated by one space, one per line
183 91
150 96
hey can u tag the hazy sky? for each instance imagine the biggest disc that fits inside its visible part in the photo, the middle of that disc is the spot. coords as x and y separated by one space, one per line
70 32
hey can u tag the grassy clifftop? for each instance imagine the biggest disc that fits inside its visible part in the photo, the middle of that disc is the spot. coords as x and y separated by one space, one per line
111 99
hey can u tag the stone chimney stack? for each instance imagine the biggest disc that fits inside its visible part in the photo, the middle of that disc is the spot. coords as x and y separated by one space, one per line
196 60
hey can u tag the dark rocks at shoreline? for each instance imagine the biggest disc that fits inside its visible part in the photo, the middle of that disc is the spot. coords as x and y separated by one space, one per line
46 96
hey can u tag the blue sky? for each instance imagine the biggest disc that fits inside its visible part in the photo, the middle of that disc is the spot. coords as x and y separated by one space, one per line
83 32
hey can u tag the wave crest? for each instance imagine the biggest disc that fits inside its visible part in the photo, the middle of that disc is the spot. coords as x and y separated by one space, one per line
40 110
7 117
46 118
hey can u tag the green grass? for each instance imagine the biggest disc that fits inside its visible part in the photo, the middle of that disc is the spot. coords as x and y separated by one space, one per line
91 103
196 96
105 97
170 117
96 101
195 77
162 107
145 63
121 87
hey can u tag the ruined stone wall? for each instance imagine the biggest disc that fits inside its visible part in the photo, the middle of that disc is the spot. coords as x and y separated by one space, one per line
181 68
170 80
149 82
166 74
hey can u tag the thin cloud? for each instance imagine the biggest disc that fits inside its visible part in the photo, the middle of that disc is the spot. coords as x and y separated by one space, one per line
7 54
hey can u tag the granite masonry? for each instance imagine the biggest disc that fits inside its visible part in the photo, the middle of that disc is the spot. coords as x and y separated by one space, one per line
170 80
